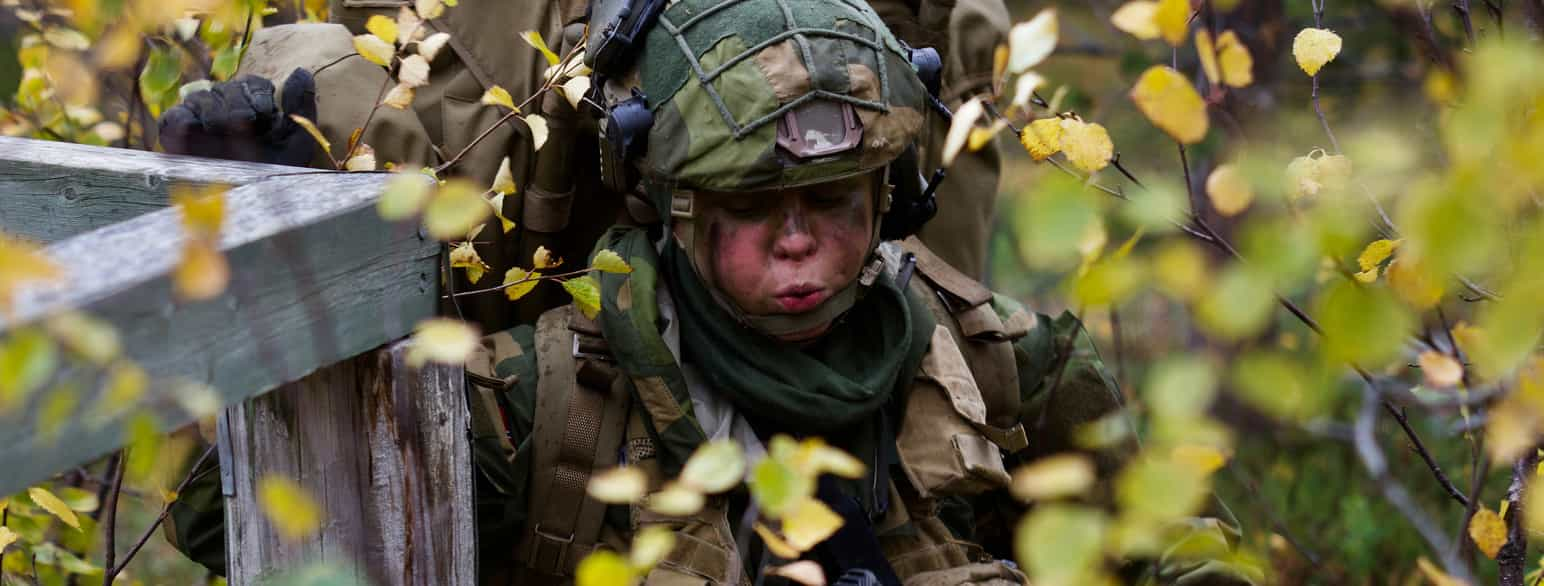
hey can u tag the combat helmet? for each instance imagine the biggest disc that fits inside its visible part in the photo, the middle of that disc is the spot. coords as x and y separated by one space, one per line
754 95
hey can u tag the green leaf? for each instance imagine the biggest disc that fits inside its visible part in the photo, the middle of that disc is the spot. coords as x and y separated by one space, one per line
1238 306
608 261
455 209
225 62
777 486
534 39
1181 387
163 67
1362 325
518 282
1160 490
1060 544
650 546
586 294
27 360
43 498
404 196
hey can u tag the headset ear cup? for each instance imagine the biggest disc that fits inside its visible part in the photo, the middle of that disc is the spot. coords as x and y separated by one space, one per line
624 140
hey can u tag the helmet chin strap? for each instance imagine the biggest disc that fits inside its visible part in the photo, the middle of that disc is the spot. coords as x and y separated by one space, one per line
782 324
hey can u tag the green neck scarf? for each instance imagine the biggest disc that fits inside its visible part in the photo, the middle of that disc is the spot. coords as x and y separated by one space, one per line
824 387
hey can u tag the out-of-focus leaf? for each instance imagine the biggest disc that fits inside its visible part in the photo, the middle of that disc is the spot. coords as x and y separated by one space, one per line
1362 325
1236 63
203 271
429 9
715 467
414 71
1207 52
363 159
959 128
288 507
1229 190
804 572
1137 18
808 523
383 27
650 546
1440 370
604 567
442 340
88 337
1060 543
1172 18
1053 477
621 485
676 500
404 196
1238 305
1160 489
1087 144
431 46
776 486
455 209
1031 41
400 96
776 544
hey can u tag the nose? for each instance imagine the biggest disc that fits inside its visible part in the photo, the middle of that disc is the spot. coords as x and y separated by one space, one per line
794 242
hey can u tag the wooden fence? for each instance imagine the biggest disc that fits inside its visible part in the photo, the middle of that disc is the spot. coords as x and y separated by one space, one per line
305 350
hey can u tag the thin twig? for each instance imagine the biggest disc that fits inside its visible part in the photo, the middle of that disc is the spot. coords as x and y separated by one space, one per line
1462 8
166 509
380 93
527 279
1512 560
110 529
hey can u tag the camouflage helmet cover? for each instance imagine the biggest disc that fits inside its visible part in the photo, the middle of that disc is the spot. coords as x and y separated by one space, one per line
720 74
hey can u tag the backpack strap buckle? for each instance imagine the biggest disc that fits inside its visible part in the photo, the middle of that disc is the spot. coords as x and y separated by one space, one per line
549 552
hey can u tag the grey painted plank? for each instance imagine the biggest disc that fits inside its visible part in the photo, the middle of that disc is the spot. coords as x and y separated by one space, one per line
317 277
50 191
383 449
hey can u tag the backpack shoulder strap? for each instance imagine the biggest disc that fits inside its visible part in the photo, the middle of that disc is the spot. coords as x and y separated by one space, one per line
581 419
967 309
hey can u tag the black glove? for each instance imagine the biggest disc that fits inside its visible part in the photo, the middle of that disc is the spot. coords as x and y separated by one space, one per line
239 120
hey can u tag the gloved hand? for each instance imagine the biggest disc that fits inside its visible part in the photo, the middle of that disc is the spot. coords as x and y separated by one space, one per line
240 120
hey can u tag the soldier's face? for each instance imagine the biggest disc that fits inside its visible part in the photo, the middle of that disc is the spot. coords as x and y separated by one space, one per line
788 251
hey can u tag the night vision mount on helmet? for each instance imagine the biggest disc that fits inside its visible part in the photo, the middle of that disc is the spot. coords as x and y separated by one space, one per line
757 94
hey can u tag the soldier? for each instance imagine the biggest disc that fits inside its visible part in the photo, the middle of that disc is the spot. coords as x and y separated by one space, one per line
772 292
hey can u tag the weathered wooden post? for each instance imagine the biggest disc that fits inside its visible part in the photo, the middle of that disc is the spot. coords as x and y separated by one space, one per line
383 449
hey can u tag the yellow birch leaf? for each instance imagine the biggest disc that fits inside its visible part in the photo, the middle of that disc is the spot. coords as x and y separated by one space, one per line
202 273
776 544
429 9
374 50
1488 531
1314 47
714 467
7 537
534 39
316 133
465 256
443 341
1169 101
608 261
1440 370
382 27
414 71
814 457
959 129
676 500
604 567
409 25
979 137
586 294
543 259
518 282
498 96
650 546
1042 138
1368 276
400 96
1086 144
618 486
430 47
1172 17
1229 190
1334 172
126 383
1030 42
538 126
1137 18
404 196
1053 477
1208 54
804 572
1303 178
1236 63
363 159
455 209
288 507
497 202
504 180
54 505
1376 252
808 523
90 338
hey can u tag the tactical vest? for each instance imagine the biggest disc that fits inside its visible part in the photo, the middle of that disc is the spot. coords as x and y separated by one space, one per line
960 416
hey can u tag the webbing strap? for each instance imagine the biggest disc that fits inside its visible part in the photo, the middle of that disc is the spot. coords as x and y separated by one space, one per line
577 430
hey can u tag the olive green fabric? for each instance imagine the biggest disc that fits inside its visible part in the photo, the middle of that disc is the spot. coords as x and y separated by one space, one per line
195 524
718 75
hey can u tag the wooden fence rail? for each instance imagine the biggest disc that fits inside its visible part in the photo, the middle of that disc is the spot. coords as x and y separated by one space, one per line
322 292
